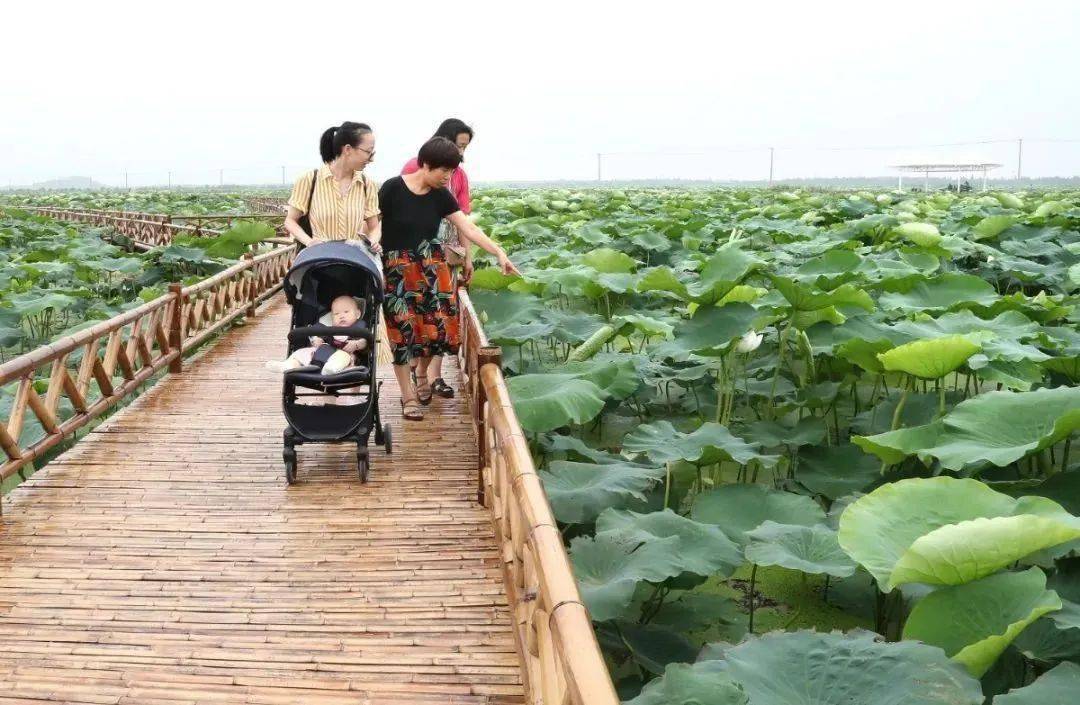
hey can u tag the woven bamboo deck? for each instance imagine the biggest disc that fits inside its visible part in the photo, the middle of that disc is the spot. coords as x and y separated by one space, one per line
163 559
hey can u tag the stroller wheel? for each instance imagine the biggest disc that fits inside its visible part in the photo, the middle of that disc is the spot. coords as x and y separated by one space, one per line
387 439
290 465
362 465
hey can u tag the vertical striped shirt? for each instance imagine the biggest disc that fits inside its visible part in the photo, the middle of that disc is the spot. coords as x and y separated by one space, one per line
333 216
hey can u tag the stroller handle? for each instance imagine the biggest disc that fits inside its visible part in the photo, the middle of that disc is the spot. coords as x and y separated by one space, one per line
353 332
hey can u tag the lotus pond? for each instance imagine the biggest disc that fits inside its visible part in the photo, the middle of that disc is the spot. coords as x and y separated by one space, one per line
58 277
806 448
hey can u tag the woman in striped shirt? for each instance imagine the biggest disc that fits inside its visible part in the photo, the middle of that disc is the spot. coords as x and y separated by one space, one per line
341 202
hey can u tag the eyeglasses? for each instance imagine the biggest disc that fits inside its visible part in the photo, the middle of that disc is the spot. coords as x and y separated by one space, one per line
369 152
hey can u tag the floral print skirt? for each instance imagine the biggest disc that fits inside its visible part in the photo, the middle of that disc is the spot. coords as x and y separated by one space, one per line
420 303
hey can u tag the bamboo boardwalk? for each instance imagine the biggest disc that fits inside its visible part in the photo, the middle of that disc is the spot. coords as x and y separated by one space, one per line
163 559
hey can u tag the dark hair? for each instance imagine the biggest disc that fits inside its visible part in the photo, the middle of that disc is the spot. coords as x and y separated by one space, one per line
439 153
451 128
335 138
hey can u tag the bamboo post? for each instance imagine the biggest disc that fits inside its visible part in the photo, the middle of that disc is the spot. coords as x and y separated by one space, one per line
251 288
484 356
176 328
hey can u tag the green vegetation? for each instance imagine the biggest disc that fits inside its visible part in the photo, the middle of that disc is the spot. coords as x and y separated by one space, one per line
768 411
57 278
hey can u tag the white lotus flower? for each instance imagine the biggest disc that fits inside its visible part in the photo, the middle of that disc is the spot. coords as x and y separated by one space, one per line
749 342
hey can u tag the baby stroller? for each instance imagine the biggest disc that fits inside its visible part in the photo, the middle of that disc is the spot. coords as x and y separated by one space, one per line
318 275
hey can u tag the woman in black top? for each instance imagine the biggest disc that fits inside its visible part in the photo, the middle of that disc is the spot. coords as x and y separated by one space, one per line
420 301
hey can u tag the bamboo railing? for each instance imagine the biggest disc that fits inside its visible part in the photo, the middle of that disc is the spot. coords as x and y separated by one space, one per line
149 230
97 367
560 656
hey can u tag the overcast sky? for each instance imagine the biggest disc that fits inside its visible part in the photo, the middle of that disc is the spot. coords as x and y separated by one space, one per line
95 89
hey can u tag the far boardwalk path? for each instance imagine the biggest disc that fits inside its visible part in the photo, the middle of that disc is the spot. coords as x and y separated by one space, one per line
164 560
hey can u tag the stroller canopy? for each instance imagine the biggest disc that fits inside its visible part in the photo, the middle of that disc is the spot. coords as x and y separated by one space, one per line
333 269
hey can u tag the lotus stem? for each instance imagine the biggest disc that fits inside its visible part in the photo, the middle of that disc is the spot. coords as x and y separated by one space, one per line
667 484
900 408
1065 454
753 582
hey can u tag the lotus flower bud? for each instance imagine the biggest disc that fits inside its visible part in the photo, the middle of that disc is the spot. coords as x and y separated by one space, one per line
749 342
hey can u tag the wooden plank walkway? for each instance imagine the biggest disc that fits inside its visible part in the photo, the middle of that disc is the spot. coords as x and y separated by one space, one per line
163 559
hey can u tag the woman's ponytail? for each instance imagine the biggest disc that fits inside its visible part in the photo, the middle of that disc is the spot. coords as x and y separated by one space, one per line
326 145
335 138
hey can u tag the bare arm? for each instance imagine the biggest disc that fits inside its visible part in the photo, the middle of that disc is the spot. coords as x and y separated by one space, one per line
468 230
292 225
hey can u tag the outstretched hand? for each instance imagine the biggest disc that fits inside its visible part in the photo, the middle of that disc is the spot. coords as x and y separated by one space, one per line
507 266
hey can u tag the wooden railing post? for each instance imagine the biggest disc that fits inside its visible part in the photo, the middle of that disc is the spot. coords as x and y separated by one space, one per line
176 328
486 355
252 289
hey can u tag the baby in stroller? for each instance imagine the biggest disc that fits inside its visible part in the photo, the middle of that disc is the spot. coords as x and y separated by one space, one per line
333 355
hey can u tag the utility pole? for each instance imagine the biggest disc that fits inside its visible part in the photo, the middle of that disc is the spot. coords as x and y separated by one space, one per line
1019 158
599 166
125 179
771 154
283 176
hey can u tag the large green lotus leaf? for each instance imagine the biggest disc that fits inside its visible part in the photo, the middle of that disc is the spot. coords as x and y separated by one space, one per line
721 273
33 303
572 326
651 241
647 325
614 374
663 279
811 668
975 622
608 569
704 683
1058 686
517 332
969 550
506 306
544 402
864 353
491 278
712 328
580 491
992 226
234 242
832 268
835 471
615 282
770 434
571 444
996 427
804 298
1046 642
609 261
741 508
942 292
1006 325
930 359
702 549
878 528
653 646
922 234
710 443
810 549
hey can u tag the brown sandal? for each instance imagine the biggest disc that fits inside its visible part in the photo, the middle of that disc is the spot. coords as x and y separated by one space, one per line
421 397
411 411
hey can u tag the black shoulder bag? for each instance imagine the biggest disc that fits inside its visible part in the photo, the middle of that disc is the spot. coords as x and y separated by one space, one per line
304 221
